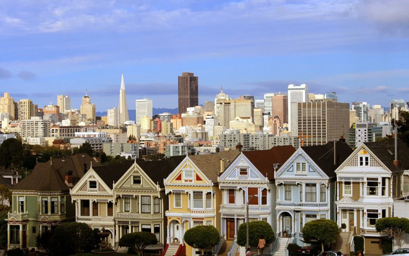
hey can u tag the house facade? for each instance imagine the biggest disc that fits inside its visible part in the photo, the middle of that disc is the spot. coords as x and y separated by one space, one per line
194 196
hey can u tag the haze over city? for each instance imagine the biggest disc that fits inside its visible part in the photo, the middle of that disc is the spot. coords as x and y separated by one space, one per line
359 49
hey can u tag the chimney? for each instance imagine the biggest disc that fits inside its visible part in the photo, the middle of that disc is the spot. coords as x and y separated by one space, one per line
221 165
68 177
335 152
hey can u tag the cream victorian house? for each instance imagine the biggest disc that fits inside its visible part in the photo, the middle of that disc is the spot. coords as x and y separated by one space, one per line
194 196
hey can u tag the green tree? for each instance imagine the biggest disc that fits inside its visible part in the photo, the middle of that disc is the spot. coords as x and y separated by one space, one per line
393 227
71 238
11 153
138 241
256 230
202 237
322 230
5 199
85 148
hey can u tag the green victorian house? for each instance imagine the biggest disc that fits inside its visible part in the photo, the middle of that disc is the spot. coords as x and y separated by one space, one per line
42 200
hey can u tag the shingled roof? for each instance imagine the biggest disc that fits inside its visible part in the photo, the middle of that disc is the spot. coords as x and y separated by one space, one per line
323 156
156 170
49 176
385 151
264 160
210 164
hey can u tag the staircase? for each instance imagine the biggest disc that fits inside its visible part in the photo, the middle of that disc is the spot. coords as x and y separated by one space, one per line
281 248
227 244
341 244
172 249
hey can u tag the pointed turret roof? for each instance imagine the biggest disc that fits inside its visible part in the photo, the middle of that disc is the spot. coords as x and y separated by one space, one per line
122 82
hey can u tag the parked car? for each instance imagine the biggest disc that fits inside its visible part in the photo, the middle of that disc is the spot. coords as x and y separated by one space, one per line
307 250
331 253
401 251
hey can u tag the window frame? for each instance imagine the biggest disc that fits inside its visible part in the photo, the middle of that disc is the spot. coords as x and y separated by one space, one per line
21 204
232 196
243 171
350 188
127 204
133 180
177 198
44 205
197 201
186 177
54 205
148 198
313 194
290 192
91 187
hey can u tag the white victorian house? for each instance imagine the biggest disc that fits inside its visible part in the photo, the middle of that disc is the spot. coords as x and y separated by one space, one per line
306 187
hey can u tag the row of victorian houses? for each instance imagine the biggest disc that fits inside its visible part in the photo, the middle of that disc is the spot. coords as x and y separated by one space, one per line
283 186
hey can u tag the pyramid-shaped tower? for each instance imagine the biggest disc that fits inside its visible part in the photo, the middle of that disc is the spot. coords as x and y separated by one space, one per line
123 107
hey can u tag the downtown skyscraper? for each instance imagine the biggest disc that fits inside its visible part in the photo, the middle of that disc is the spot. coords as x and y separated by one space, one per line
188 91
122 107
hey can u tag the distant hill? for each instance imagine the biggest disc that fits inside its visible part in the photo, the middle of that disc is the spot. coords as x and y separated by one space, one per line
156 111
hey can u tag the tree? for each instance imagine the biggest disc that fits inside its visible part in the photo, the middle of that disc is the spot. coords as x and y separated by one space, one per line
11 153
393 227
71 238
85 148
322 230
138 241
202 237
256 230
5 199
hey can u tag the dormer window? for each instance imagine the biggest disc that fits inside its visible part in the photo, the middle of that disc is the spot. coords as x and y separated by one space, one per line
188 175
243 172
363 158
301 168
92 185
136 180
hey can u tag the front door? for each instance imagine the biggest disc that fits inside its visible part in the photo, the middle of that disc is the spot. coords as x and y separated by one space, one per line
286 225
351 220
24 237
230 229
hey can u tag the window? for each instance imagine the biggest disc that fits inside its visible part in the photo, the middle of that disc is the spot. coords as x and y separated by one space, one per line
136 180
232 198
110 209
323 216
146 228
156 230
62 205
310 193
156 206
301 168
14 234
347 188
243 171
310 217
197 223
21 204
197 200
209 222
372 217
384 186
54 205
178 200
264 197
33 229
208 200
92 184
127 204
252 198
372 187
84 207
323 194
188 175
383 213
94 209
363 160
44 205
287 192
146 204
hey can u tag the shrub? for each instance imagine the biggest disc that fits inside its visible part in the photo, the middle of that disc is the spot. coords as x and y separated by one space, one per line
387 244
359 243
343 226
256 230
15 252
293 249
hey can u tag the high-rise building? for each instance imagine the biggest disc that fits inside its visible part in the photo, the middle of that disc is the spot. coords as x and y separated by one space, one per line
228 109
26 109
376 114
144 107
7 106
268 103
280 108
321 121
123 107
64 102
396 107
362 110
113 117
188 91
296 94
88 109
52 112
35 127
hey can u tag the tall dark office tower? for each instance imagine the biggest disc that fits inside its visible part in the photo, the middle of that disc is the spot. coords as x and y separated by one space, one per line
188 91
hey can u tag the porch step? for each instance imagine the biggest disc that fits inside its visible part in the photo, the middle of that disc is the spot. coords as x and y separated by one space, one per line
281 248
172 249
342 242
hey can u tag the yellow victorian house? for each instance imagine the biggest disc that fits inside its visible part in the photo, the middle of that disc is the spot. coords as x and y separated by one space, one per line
194 196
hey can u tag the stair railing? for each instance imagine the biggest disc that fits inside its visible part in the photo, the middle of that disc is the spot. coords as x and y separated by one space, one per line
274 245
233 249
217 249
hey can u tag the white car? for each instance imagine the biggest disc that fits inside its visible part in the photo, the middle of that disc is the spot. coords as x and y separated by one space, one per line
401 251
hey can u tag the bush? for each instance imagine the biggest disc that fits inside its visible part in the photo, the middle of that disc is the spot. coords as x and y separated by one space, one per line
359 243
15 252
202 237
343 226
293 249
256 230
387 244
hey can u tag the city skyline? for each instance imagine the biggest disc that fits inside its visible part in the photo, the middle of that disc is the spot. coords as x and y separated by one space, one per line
356 48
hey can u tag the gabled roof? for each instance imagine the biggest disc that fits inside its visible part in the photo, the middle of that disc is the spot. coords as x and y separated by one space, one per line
264 160
385 151
209 165
49 176
156 170
323 156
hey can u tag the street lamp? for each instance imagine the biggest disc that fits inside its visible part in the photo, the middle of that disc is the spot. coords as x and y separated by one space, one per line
247 216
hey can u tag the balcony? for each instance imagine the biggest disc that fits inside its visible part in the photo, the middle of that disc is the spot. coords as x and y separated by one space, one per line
17 216
95 219
134 215
226 208
202 211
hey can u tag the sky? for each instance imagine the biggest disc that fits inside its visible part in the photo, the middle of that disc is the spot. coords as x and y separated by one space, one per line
357 48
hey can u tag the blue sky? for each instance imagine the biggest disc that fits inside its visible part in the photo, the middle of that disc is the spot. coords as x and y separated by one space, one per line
359 49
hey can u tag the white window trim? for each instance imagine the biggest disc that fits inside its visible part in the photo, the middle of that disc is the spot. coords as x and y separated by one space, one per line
203 200
291 195
343 188
89 187
364 165
174 201
188 179
139 178
300 172
247 171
